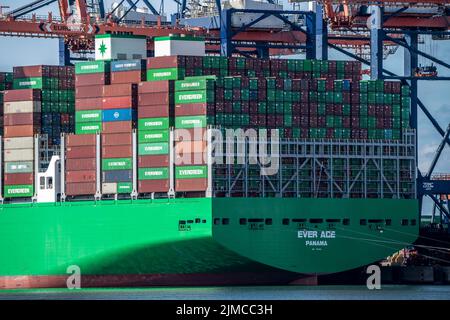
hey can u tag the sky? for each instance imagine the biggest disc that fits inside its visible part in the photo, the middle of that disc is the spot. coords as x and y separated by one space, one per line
434 94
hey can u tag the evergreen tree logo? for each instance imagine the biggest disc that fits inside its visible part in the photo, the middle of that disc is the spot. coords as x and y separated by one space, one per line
102 48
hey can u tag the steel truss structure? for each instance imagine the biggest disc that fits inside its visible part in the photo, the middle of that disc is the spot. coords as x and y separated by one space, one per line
323 168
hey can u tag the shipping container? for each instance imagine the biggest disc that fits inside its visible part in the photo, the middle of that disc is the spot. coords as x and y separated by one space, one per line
117 176
117 127
18 191
80 176
74 140
124 151
80 152
149 186
152 161
19 155
19 167
87 164
77 189
20 131
22 107
22 95
154 111
18 143
116 139
18 178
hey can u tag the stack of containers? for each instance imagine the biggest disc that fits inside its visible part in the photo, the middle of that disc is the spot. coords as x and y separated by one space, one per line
80 165
90 77
57 96
6 81
22 121
128 71
155 109
118 119
194 109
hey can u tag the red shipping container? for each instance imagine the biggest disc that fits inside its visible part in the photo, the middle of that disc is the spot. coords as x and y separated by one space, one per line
76 140
134 76
18 178
190 134
78 189
80 176
22 95
165 62
116 139
184 185
16 119
118 90
20 131
157 111
156 86
148 186
193 109
89 92
157 98
198 158
153 161
92 79
81 152
116 127
88 104
35 71
125 151
81 164
118 102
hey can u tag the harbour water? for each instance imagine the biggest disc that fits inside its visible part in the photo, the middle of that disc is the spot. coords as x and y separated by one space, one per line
387 292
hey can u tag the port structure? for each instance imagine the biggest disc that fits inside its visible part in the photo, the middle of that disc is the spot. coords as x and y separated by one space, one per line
389 22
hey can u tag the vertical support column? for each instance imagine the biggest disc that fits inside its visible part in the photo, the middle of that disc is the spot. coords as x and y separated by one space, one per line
262 51
64 53
318 32
171 193
209 163
410 64
226 48
36 166
1 169
134 192
63 167
376 43
310 36
98 164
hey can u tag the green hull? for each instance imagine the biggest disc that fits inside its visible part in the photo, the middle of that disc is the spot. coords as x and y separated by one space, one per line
194 237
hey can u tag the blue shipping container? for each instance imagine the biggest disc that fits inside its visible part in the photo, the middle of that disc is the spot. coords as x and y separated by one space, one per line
118 115
117 176
127 65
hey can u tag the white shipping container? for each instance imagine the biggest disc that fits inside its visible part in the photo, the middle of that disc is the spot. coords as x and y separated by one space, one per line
109 188
179 45
22 107
120 47
19 155
18 143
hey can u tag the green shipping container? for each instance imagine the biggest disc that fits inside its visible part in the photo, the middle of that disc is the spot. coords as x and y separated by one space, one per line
165 74
88 128
17 191
124 187
153 173
92 67
194 83
200 96
188 122
153 124
88 116
29 83
191 172
153 148
116 164
19 167
153 136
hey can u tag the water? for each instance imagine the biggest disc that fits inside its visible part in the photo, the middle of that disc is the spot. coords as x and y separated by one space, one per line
387 292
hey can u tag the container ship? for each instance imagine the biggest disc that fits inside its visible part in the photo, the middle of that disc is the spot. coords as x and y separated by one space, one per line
116 166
